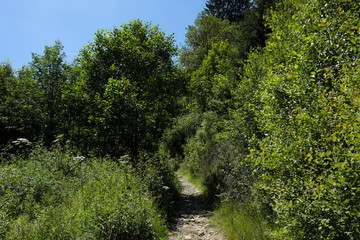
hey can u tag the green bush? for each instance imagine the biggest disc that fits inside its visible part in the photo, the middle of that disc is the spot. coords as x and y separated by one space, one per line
289 142
198 149
159 178
175 138
58 195
213 155
309 114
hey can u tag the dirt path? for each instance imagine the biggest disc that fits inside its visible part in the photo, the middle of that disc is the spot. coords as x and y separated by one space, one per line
192 219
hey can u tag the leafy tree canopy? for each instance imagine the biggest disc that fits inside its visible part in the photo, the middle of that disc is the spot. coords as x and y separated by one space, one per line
132 81
233 10
200 38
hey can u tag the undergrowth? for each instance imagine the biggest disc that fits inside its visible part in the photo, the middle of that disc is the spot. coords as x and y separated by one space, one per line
55 194
183 171
239 221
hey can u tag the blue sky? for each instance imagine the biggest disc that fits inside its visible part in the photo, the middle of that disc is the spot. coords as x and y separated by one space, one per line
29 25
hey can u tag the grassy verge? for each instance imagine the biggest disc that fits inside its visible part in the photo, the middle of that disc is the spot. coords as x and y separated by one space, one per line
240 222
54 194
194 180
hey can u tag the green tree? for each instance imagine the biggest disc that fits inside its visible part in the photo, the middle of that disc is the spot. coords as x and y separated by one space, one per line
233 10
291 135
125 118
20 109
51 73
6 72
130 67
200 38
76 124
252 29
308 96
211 85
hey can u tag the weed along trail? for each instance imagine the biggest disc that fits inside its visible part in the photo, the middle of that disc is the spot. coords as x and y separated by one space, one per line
192 217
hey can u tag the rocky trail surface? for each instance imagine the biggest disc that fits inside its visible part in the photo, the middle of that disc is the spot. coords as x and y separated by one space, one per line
192 216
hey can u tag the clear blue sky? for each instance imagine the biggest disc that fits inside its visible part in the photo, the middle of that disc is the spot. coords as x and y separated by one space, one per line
29 25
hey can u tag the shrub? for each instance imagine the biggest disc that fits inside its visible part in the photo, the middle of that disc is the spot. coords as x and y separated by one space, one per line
159 178
54 195
308 159
175 138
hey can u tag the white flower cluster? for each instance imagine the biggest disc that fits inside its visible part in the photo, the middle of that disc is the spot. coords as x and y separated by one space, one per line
79 158
21 141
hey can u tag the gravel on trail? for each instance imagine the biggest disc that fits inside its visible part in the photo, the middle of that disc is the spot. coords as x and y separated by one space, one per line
192 220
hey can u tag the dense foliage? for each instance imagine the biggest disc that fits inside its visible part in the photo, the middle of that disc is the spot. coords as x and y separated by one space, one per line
309 112
56 194
112 105
131 84
120 93
278 133
233 10
263 109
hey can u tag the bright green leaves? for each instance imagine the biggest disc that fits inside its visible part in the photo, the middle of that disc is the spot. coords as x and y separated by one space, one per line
136 51
120 93
51 73
58 195
308 155
212 83
133 84
285 126
200 38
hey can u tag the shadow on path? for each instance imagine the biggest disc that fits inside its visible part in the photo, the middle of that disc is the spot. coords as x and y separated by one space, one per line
192 216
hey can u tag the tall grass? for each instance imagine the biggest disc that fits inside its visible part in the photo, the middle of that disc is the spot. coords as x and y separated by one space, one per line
238 221
54 194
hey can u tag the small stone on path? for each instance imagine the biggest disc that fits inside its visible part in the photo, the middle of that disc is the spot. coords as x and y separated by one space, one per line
193 216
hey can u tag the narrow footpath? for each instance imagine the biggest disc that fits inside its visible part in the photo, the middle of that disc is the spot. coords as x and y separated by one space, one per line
192 218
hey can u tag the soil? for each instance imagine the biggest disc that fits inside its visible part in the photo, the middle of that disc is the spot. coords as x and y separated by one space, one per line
192 218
